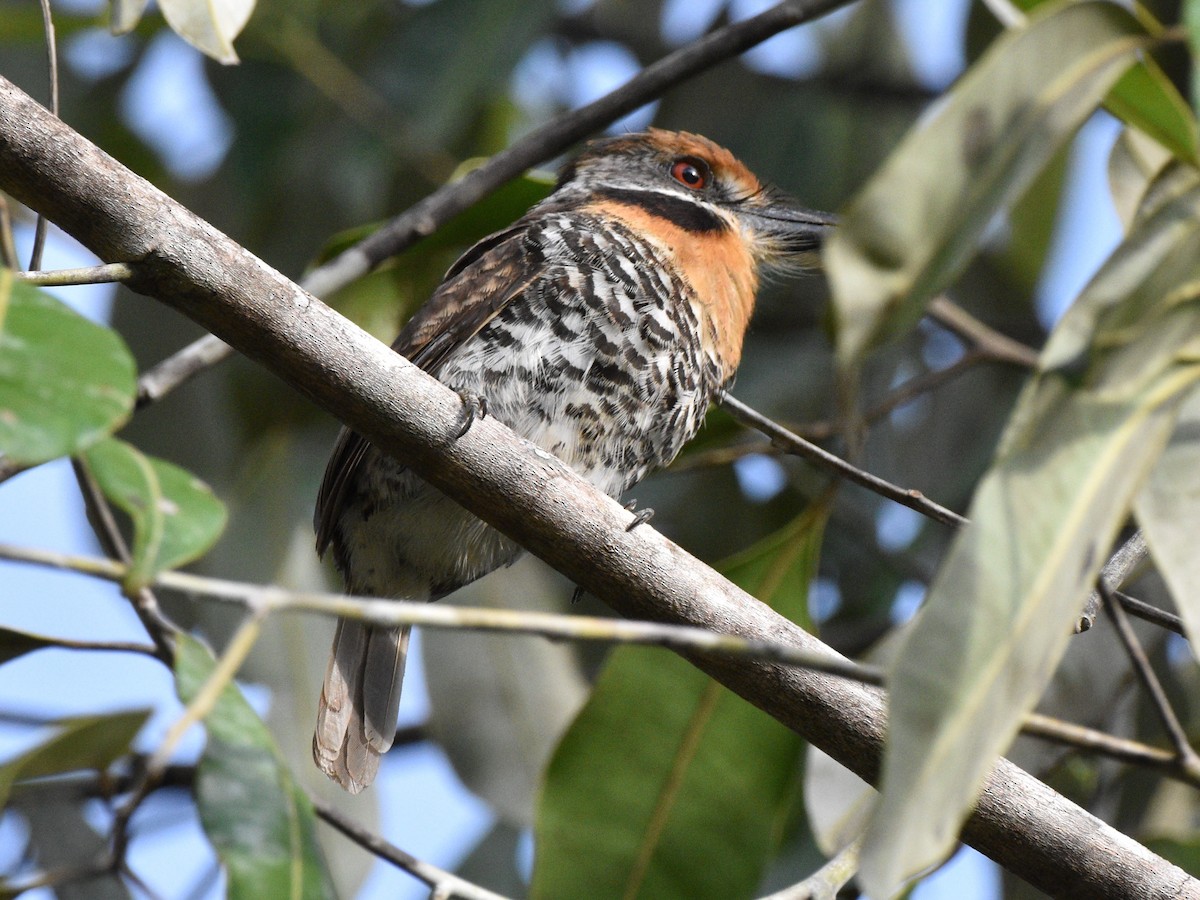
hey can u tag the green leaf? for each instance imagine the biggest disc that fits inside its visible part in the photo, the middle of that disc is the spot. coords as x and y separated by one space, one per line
65 382
1168 509
209 27
1084 435
259 820
14 642
175 516
667 784
87 742
915 224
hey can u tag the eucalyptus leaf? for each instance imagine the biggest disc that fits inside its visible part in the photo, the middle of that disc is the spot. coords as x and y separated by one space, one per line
1085 433
668 784
259 820
65 382
176 517
915 224
208 25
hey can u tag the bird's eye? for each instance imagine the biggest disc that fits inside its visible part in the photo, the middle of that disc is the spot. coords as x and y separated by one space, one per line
691 173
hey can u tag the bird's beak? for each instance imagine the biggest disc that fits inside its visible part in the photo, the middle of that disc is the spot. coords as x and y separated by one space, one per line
787 234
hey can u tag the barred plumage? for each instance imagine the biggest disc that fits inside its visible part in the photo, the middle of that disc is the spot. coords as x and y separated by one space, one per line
599 326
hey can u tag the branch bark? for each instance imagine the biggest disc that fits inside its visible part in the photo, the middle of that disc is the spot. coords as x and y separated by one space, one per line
525 492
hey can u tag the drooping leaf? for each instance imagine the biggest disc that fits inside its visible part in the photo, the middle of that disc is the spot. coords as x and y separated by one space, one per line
208 25
176 517
259 820
1085 433
667 784
14 642
65 382
88 742
1168 509
1135 162
914 225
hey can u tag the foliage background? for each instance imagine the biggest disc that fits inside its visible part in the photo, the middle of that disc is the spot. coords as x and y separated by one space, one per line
343 114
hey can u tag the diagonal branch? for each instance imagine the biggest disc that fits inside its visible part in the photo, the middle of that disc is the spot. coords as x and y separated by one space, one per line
524 491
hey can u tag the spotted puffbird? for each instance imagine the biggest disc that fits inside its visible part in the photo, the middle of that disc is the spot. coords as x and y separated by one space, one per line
599 326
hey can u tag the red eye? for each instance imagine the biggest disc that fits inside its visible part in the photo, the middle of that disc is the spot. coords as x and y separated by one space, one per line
692 173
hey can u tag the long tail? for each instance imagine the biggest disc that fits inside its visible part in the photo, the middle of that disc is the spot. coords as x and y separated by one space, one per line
356 717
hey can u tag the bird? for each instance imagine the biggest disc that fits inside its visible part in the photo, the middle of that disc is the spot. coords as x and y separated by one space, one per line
600 326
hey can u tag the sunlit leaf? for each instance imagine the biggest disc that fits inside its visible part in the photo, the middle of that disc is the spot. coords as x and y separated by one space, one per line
84 743
176 517
1084 435
918 220
125 14
208 25
667 784
259 820
65 382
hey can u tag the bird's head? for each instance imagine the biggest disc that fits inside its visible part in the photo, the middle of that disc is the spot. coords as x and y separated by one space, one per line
702 188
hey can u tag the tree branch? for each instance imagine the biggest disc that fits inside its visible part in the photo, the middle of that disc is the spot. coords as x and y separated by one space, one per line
524 491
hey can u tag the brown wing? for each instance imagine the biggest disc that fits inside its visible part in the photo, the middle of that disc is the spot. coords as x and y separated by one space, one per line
482 282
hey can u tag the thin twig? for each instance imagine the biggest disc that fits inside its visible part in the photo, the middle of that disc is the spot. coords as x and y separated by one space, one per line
161 630
443 883
1149 613
107 273
1115 574
1101 743
8 247
539 145
795 444
825 883
997 346
1188 759
393 613
39 229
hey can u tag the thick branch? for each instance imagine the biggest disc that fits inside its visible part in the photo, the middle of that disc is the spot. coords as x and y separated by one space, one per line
522 490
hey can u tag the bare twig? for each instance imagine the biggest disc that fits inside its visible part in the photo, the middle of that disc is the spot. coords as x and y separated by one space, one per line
1116 572
160 629
795 444
39 229
539 145
825 883
1143 610
8 249
108 273
392 613
1188 759
1101 743
996 345
444 884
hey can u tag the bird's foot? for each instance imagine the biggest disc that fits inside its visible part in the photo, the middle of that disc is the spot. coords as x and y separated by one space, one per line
474 406
640 517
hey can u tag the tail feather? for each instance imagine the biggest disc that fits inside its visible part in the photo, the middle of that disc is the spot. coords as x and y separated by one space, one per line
360 699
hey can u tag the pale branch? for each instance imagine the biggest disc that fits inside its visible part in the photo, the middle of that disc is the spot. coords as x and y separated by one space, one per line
444 884
39 228
1116 573
539 145
983 337
798 446
1187 757
1089 740
825 883
106 274
525 492
260 599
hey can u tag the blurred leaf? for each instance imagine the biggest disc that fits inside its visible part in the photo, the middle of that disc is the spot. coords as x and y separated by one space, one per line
175 516
696 782
1168 509
125 14
65 382
917 221
259 820
1085 433
1134 164
208 25
1184 852
87 742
